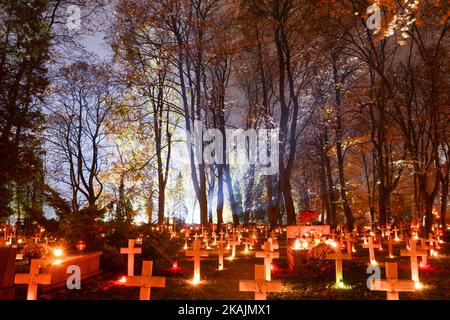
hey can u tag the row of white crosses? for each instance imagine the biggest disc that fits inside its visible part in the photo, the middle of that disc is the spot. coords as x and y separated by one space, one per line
263 284
413 251
146 281
197 253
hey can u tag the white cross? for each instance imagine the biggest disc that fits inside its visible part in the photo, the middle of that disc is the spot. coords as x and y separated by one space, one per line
396 238
350 241
214 236
247 242
206 241
268 257
391 247
33 279
234 242
371 247
196 253
220 250
146 281
424 247
273 245
338 257
392 285
260 285
131 251
413 253
431 239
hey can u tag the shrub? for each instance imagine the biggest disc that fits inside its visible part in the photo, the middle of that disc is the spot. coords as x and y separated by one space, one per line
112 261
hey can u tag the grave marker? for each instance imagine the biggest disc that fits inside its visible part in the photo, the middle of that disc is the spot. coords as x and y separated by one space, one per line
260 285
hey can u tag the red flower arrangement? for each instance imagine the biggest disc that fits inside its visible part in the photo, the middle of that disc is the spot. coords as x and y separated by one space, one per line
307 216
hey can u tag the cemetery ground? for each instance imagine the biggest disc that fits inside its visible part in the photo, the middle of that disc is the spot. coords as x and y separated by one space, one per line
313 280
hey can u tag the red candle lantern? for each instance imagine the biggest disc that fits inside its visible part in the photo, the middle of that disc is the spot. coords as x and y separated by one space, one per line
81 245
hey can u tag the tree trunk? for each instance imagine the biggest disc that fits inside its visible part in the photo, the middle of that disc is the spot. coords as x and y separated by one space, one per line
233 204
382 208
161 199
324 191
340 157
272 202
219 194
429 201
331 191
444 197
203 201
249 194
288 201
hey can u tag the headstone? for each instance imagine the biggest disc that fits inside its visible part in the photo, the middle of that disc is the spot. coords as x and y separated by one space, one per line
7 267
296 257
